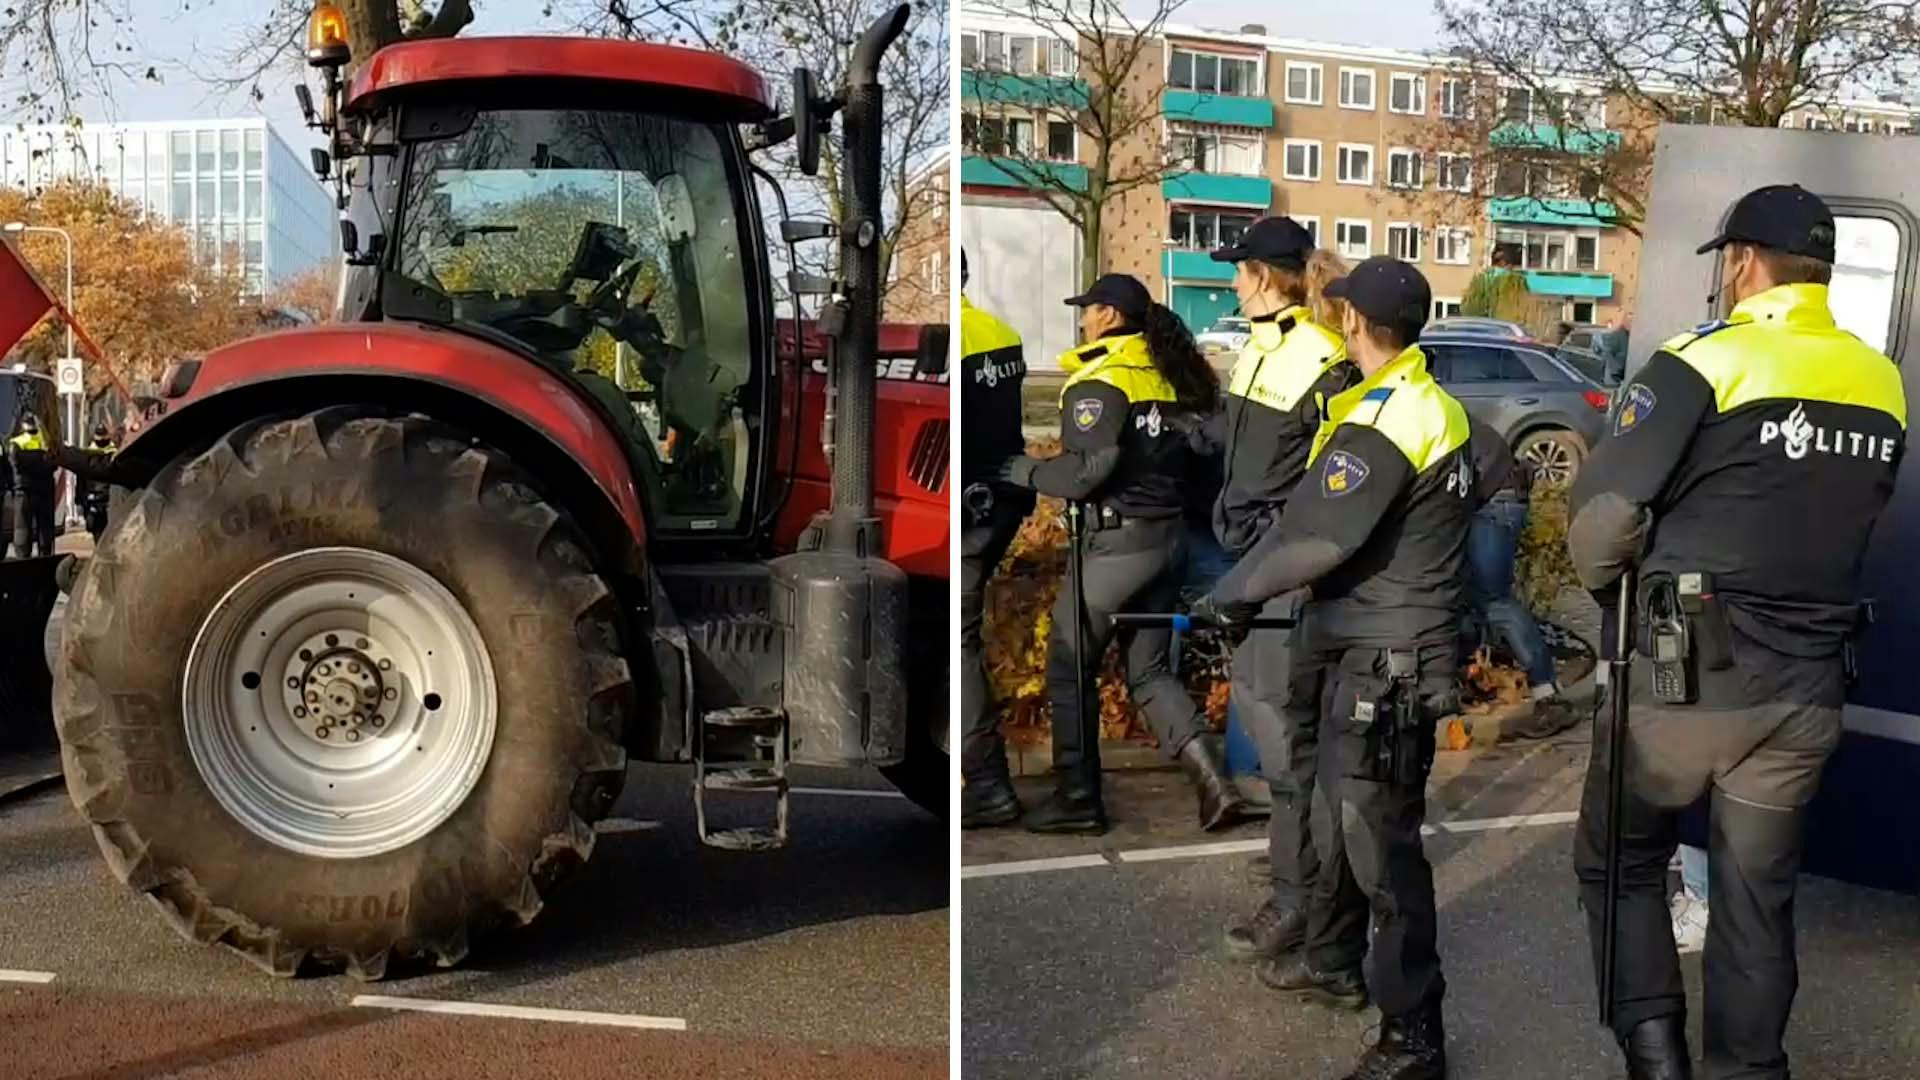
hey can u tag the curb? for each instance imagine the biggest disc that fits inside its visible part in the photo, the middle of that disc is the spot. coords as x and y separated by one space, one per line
27 788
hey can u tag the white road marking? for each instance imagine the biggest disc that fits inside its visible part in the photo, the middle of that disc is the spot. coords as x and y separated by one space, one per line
851 793
16 975
1241 847
519 1012
1032 866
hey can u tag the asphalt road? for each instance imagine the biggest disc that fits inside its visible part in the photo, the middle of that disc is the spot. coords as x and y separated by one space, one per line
828 959
1114 969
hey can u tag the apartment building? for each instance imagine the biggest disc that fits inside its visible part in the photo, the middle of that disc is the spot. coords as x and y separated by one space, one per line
1345 139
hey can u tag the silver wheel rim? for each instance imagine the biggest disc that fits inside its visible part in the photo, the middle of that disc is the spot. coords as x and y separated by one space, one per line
1552 460
339 702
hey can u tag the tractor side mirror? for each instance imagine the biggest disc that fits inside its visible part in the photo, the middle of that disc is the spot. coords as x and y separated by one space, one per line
322 162
936 341
809 119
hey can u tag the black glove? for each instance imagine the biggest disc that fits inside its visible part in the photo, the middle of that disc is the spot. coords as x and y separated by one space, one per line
1018 471
1227 615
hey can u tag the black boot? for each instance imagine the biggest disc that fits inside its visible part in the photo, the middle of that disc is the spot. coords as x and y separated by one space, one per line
1270 931
1336 989
1411 1047
1074 807
988 801
1205 760
1657 1049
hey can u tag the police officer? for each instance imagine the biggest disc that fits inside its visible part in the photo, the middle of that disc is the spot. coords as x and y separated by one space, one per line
93 493
1287 371
992 368
32 466
1377 528
1129 413
1748 462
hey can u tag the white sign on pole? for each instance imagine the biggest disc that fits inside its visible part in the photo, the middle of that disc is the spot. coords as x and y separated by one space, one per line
71 376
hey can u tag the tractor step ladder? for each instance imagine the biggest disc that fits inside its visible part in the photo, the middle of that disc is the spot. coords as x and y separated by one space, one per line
742 749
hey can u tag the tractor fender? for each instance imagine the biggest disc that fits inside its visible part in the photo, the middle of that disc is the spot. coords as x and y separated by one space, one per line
527 410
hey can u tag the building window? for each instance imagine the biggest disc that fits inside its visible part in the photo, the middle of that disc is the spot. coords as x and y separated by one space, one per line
1453 172
993 51
182 153
1452 245
1303 83
1586 252
1311 224
229 200
1021 54
229 152
1403 241
256 149
254 211
1446 307
1518 106
1403 168
1356 164
203 152
969 51
1061 142
1208 73
1353 239
1552 250
1456 99
1218 152
1205 230
1580 312
1300 159
1356 88
1407 93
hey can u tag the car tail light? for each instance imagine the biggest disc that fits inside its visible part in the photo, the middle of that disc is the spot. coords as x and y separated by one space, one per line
1597 398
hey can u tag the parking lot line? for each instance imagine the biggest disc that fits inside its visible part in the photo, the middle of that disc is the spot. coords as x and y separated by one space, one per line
519 1012
1242 847
16 975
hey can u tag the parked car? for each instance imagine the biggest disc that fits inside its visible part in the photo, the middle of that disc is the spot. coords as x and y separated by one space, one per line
1600 353
1224 339
1549 412
1474 324
1602 371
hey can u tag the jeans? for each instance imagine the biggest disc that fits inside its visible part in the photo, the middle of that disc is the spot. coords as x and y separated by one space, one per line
1207 562
1693 870
1492 540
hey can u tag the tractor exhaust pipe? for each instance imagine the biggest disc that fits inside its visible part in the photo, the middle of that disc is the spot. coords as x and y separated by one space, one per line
853 527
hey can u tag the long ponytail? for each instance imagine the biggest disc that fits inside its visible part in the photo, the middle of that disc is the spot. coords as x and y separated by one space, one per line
1195 384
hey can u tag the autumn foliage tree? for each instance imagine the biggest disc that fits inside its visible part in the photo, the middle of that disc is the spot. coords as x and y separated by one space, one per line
138 290
311 293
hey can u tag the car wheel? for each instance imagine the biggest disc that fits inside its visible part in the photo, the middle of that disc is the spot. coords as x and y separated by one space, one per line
1555 454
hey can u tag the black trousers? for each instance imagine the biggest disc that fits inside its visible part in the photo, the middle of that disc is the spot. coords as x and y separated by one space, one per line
1366 828
983 753
1262 666
1762 764
1135 567
33 523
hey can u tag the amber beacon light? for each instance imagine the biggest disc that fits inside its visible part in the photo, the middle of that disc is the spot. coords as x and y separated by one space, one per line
327 36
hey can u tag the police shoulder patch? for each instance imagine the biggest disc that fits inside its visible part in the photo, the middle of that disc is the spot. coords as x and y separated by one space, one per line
1636 404
1086 412
1343 474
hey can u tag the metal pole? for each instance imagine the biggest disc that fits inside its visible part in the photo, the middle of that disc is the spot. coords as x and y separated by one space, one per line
1617 686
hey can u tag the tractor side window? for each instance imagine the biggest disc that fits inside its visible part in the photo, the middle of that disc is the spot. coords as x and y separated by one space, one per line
1866 256
610 243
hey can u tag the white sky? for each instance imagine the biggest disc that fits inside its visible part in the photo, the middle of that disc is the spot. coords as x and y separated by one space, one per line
1394 24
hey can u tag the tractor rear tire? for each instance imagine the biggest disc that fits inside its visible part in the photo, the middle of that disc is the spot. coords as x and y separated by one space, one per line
205 794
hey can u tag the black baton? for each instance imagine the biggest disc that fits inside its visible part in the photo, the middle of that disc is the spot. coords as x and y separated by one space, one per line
1616 795
1089 717
1154 620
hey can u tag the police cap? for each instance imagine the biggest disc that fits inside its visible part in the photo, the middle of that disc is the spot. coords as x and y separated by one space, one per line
1387 291
1122 292
1279 240
1782 217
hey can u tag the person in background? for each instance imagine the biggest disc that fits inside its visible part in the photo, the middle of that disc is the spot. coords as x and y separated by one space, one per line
1134 395
93 493
32 466
993 369
1689 904
1502 490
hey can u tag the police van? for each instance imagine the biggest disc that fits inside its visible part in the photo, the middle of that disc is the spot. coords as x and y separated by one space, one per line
1863 827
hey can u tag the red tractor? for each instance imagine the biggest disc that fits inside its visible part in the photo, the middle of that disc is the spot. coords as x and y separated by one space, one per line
391 604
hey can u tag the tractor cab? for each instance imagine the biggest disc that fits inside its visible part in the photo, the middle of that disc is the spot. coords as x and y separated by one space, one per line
588 205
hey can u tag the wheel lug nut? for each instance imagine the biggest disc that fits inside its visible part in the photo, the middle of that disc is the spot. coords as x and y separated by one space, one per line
293 684
322 731
353 667
379 720
353 736
300 712
386 665
391 693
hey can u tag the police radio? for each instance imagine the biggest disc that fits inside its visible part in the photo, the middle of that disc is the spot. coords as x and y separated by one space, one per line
1670 644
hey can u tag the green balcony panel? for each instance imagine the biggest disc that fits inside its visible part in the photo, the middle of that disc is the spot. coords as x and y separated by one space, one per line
1217 109
1522 210
1255 192
1576 286
1004 88
1026 175
1195 266
1549 137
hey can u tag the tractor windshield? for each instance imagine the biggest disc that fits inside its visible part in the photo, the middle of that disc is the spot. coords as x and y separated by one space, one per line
610 243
